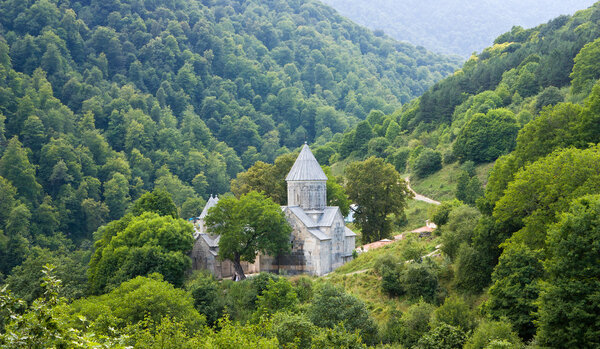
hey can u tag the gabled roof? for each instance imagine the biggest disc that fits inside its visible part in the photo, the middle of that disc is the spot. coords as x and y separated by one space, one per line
325 218
348 232
212 201
306 168
328 216
304 218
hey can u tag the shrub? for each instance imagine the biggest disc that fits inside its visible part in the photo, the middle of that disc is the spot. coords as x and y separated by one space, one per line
303 286
428 162
399 159
377 147
279 295
338 337
455 312
293 329
459 229
443 336
207 299
420 280
470 276
136 299
411 326
440 213
489 331
331 306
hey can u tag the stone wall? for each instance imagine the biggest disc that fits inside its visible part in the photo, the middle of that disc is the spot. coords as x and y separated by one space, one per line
310 195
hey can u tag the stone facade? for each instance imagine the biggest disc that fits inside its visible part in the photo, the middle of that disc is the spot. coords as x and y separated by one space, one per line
320 240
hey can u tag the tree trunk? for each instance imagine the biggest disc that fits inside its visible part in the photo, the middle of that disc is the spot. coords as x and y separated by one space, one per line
239 271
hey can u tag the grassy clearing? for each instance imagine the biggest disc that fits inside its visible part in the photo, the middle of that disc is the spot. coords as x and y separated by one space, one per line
441 185
366 286
367 260
359 278
417 213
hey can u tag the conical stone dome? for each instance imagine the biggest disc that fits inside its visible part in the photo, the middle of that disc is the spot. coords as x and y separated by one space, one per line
306 168
307 182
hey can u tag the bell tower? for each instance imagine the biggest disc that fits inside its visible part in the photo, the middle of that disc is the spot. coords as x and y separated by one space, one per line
306 183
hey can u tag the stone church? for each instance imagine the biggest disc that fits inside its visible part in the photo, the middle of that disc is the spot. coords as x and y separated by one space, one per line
320 241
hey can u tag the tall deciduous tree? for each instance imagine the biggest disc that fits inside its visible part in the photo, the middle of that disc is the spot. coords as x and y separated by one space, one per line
378 190
15 166
248 225
158 201
487 136
570 297
516 289
141 245
116 194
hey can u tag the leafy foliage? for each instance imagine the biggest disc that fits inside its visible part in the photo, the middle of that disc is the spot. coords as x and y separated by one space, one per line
332 306
443 336
544 188
205 291
427 162
40 325
569 296
248 225
459 229
158 201
293 330
489 331
278 296
487 136
411 325
141 245
455 312
515 290
136 299
378 190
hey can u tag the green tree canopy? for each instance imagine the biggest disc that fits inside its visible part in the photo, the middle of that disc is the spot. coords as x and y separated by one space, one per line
140 245
487 136
136 299
515 288
248 225
158 201
585 70
378 190
332 306
15 167
543 189
570 296
427 162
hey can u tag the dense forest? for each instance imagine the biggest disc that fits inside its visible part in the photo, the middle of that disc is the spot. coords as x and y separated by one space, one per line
452 26
119 118
102 101
524 242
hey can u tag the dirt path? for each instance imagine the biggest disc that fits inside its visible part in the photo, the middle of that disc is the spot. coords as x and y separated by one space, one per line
420 197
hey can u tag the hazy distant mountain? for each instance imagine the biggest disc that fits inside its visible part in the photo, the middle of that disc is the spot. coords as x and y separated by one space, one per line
453 26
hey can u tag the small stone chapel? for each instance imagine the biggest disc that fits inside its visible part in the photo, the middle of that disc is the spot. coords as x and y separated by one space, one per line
320 241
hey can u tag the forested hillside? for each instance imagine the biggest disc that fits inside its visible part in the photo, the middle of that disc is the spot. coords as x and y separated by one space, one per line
475 114
103 100
118 118
452 26
526 108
